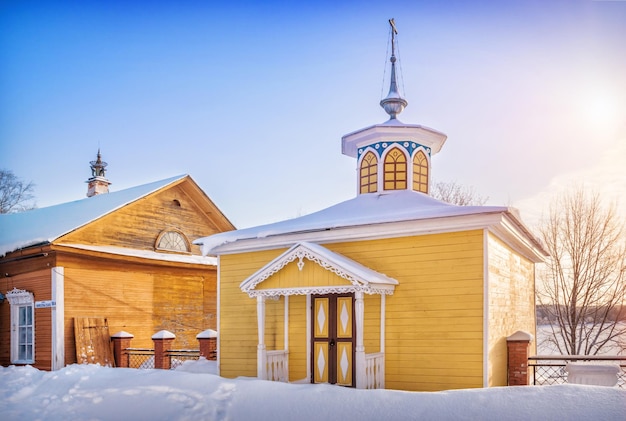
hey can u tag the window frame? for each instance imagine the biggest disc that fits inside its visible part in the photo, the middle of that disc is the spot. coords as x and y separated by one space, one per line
395 171
18 300
420 169
166 233
370 167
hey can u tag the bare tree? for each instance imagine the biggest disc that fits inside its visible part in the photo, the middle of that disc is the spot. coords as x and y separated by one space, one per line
457 194
15 194
583 288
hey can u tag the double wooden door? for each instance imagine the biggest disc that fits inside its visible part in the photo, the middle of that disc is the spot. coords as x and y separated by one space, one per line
332 359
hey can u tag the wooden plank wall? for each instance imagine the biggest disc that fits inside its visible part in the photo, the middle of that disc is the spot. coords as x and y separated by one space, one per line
434 319
511 304
139 299
238 322
297 337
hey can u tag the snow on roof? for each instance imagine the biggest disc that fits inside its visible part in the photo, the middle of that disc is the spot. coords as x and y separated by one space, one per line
148 254
365 209
43 225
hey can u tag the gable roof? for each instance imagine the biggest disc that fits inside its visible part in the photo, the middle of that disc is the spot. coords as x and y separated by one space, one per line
44 225
361 278
372 210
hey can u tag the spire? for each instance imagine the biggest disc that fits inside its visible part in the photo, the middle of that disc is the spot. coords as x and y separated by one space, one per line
98 183
98 166
393 104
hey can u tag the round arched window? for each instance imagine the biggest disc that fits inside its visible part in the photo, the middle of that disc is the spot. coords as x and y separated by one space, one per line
172 241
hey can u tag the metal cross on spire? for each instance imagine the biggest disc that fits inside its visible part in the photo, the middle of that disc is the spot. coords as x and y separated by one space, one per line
393 104
394 32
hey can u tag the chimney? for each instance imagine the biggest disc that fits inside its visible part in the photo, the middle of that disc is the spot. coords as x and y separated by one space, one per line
98 183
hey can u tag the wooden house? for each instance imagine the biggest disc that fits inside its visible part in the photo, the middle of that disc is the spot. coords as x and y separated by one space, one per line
124 256
390 289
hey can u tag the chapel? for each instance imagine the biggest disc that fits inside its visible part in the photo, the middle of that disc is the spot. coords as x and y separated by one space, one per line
389 289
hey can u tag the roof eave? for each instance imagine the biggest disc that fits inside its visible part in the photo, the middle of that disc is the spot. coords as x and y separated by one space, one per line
426 136
380 231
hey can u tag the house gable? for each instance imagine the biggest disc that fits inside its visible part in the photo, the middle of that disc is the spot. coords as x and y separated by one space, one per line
180 207
292 273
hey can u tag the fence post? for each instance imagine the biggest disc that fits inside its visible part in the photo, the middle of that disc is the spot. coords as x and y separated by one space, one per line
207 341
163 341
518 347
121 341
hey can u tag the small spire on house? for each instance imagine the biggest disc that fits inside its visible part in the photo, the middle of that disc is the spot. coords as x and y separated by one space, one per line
98 183
393 104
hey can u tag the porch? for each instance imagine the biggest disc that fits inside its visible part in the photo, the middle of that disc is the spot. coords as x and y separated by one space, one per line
277 368
334 327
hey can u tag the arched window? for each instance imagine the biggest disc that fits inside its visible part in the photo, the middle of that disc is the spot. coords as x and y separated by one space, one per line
395 170
368 174
420 172
172 241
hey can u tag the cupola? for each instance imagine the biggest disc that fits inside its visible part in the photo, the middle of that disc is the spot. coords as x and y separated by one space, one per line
98 183
393 155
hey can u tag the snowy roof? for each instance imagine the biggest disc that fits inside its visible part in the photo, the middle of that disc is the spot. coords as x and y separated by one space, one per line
147 254
364 210
44 225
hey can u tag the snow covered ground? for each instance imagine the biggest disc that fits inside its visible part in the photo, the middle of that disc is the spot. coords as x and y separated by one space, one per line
193 392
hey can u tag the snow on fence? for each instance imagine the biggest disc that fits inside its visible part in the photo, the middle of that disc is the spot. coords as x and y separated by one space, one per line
161 356
179 356
143 358
375 370
551 369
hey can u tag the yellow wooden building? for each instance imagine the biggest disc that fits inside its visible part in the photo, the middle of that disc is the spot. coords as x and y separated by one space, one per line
123 256
391 289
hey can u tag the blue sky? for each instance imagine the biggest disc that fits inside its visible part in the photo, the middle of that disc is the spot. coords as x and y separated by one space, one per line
252 98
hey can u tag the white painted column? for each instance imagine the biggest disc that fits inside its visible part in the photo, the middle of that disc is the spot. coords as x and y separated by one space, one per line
219 287
308 337
383 312
359 310
261 352
382 321
286 338
58 316
286 326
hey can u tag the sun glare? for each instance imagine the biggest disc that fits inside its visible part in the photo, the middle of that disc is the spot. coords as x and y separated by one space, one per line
600 110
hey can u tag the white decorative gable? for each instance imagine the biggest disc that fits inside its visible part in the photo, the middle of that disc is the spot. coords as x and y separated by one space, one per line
360 278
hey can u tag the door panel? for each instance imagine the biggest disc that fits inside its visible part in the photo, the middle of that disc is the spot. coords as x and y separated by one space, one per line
344 363
333 339
320 362
321 317
344 318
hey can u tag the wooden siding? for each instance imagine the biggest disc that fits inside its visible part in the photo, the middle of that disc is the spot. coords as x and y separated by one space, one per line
298 337
274 324
39 283
238 316
139 299
434 320
371 323
511 304
138 224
